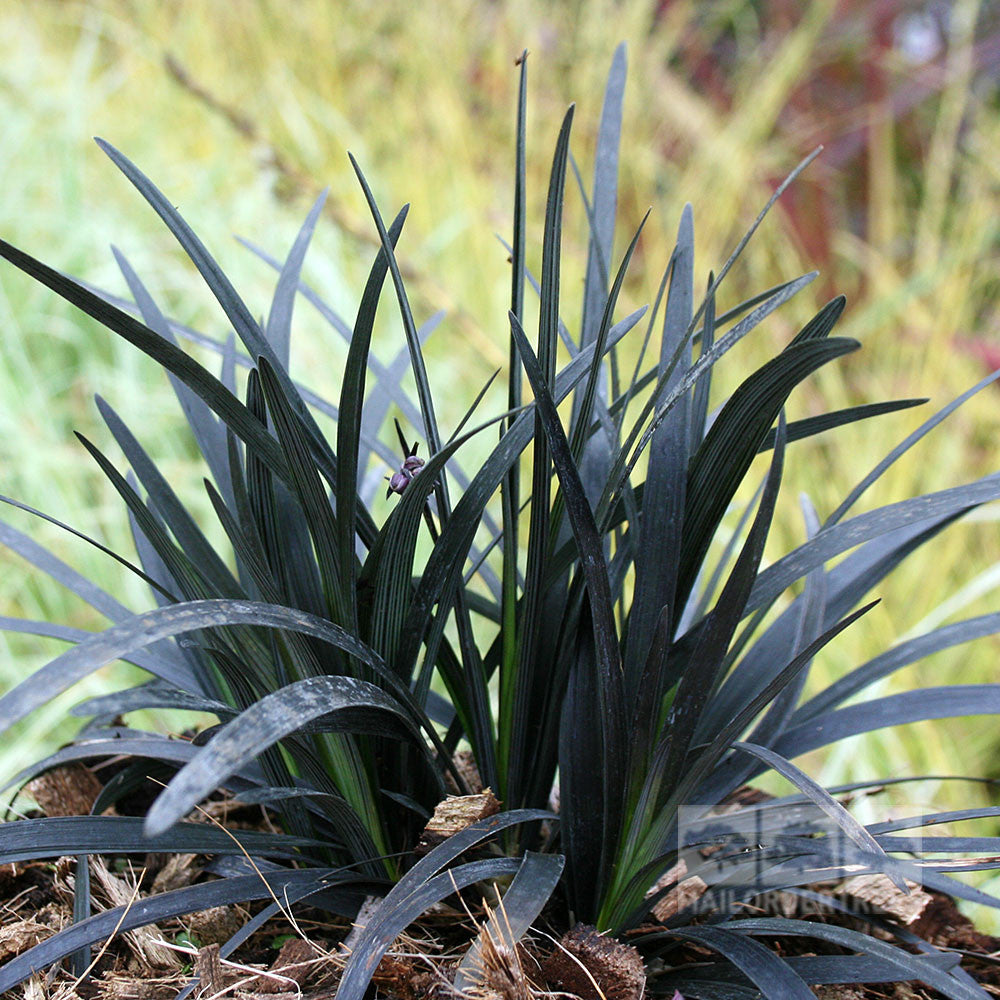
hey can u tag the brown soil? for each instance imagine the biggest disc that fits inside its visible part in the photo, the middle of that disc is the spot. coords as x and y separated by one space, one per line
280 961
278 966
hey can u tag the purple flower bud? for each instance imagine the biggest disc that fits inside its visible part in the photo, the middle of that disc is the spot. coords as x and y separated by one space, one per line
399 481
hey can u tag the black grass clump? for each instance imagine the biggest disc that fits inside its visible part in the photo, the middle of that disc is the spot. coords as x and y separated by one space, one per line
614 637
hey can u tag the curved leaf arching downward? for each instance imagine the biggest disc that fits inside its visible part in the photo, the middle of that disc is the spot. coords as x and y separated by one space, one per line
344 703
178 619
530 890
425 883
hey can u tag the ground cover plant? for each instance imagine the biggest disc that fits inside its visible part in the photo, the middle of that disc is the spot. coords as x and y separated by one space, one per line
621 642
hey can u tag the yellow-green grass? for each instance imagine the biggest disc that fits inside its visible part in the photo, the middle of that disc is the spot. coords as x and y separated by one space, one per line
424 96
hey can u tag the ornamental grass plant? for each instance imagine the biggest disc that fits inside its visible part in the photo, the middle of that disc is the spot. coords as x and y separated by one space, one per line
867 214
605 644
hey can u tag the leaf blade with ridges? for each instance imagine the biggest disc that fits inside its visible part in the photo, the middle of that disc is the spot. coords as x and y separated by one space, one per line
609 680
521 904
269 720
278 329
729 447
520 723
352 394
776 979
662 518
208 432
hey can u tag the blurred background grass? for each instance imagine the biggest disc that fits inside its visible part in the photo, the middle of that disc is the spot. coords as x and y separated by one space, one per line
241 112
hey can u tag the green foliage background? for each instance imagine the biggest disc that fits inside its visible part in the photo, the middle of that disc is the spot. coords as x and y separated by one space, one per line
251 114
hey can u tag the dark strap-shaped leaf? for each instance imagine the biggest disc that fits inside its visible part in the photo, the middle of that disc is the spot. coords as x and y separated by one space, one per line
150 559
153 694
831 541
910 966
813 969
904 446
932 819
892 710
143 629
145 658
344 703
352 395
523 901
593 452
390 920
609 680
810 627
604 201
420 887
776 979
186 572
230 359
851 827
424 395
649 836
307 484
442 572
246 327
209 433
723 776
171 357
699 680
322 898
896 658
166 502
131 567
521 701
389 565
510 490
847 582
278 329
116 743
53 837
798 430
748 235
661 401
662 519
719 465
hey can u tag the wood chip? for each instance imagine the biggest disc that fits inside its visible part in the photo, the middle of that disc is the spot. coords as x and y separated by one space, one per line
403 978
455 813
179 871
682 895
20 935
143 941
33 989
70 790
294 962
215 925
208 968
876 892
121 988
242 995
